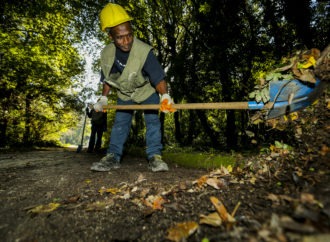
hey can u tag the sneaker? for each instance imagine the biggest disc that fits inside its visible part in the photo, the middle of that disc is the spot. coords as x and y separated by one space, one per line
107 163
157 164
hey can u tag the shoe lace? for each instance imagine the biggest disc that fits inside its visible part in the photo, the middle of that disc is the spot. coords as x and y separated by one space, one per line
156 159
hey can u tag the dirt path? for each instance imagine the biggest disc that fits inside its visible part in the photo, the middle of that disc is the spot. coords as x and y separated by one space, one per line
34 178
140 205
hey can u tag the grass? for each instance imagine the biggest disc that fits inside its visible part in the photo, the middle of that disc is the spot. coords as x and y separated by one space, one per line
188 158
199 160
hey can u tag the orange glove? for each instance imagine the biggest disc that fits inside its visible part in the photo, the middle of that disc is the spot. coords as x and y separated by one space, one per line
166 103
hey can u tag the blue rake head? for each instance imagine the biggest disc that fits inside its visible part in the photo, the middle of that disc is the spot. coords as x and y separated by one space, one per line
302 94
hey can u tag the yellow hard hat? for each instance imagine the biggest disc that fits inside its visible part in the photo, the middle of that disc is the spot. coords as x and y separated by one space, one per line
113 15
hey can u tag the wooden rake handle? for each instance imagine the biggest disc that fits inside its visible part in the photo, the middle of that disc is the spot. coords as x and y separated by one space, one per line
223 105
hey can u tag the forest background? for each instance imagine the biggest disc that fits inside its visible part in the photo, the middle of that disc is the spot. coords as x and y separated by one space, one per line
212 51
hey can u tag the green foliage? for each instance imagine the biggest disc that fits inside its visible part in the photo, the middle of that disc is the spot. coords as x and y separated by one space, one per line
38 67
212 51
261 94
281 145
73 135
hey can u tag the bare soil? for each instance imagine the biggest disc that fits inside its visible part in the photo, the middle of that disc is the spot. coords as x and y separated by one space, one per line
281 198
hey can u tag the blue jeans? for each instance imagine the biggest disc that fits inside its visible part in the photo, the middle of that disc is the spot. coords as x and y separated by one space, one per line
122 126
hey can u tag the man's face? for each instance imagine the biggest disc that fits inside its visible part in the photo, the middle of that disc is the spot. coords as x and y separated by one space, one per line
122 36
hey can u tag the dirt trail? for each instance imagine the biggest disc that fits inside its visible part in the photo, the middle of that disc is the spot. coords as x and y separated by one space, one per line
30 179
126 213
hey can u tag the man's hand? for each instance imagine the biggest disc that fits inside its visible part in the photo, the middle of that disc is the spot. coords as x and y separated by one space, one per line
103 101
166 103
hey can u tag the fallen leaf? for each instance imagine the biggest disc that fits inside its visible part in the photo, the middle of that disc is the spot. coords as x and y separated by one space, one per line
100 205
265 168
229 168
288 223
249 133
307 198
140 179
316 238
157 204
215 172
73 199
215 183
258 121
212 219
226 170
311 62
272 148
273 198
301 212
201 181
287 198
180 232
44 208
264 234
182 186
225 216
253 180
293 116
113 190
220 208
147 203
109 190
324 150
144 192
299 130
88 181
138 202
126 196
307 76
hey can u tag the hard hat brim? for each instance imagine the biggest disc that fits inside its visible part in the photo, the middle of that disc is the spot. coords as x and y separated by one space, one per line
117 23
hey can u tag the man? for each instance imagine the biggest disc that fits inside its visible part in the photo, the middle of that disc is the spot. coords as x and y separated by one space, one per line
130 66
99 125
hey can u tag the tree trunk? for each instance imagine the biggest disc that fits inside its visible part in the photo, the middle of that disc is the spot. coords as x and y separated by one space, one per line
178 136
26 135
3 129
202 117
191 128
231 133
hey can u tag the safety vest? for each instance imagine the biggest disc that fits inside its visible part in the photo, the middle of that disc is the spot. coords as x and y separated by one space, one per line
131 84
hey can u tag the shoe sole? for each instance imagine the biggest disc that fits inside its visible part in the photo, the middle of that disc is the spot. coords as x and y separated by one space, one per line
160 168
99 166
